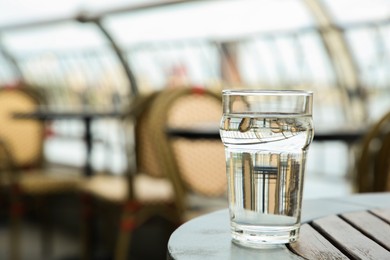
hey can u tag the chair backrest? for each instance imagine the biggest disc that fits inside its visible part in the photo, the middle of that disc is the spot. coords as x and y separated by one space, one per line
23 137
373 164
146 159
193 165
6 176
382 166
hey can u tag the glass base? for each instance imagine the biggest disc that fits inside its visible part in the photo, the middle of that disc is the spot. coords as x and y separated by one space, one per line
263 236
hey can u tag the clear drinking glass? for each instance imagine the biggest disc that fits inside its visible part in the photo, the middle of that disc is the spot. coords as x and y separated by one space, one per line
266 136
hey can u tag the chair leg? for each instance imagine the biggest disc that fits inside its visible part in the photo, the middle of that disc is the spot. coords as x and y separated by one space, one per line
15 214
86 226
15 239
126 228
122 248
16 210
109 219
45 226
133 216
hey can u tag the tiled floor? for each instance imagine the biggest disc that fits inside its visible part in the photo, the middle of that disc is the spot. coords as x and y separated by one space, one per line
63 245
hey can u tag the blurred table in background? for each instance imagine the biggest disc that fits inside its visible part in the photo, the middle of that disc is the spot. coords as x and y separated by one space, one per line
85 115
344 134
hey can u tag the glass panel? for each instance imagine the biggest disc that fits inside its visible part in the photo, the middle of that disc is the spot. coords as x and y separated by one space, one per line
293 61
175 64
208 19
64 36
370 48
166 44
352 11
72 62
25 11
89 77
7 74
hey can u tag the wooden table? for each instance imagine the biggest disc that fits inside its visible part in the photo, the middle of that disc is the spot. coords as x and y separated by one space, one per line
353 227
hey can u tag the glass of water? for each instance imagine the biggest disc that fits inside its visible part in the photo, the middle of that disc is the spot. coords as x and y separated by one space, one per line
266 136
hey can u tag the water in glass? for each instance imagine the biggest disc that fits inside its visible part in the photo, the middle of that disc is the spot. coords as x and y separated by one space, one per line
265 158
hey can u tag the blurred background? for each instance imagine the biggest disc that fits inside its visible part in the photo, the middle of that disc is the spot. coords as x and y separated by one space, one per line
106 54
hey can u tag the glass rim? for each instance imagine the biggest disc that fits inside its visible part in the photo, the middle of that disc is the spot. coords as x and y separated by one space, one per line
258 92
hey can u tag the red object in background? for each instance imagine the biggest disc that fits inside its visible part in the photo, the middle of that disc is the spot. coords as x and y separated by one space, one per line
198 90
49 132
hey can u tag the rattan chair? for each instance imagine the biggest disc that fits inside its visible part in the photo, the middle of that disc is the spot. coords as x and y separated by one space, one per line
23 171
373 163
196 167
143 192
